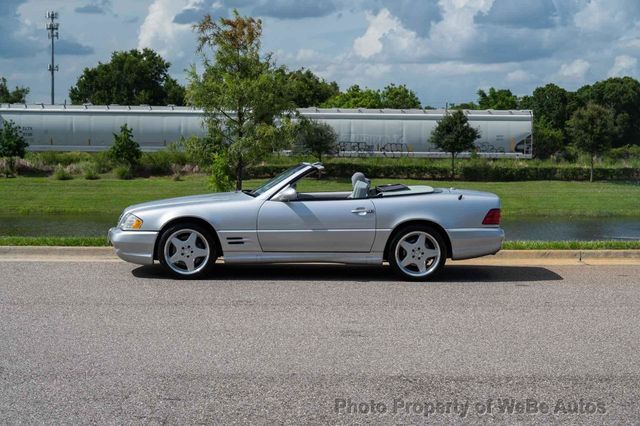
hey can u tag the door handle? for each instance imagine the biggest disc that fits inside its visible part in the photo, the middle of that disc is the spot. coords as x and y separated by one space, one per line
361 211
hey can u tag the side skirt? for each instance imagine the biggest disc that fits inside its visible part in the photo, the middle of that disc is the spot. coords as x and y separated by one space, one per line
303 257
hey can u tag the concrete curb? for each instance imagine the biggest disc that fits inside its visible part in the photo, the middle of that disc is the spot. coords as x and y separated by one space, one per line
45 253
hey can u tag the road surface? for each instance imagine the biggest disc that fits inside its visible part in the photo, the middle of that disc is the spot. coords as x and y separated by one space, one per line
109 342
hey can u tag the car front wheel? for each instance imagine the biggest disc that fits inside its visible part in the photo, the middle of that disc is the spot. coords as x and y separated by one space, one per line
418 253
187 250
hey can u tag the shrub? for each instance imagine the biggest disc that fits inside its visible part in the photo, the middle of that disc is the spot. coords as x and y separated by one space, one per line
125 150
102 160
8 167
199 151
316 138
53 158
90 170
177 172
123 172
155 163
61 173
12 144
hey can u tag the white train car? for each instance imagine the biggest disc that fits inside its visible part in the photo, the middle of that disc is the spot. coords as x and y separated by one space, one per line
360 131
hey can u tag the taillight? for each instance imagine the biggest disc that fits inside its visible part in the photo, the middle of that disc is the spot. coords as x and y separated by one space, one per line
492 217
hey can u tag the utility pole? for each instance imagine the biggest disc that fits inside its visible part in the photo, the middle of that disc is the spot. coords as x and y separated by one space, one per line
52 31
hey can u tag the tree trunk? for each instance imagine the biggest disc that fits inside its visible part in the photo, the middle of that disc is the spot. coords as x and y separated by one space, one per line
591 172
239 167
453 166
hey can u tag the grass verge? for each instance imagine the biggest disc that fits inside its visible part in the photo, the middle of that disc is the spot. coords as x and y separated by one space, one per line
24 195
507 245
54 241
571 245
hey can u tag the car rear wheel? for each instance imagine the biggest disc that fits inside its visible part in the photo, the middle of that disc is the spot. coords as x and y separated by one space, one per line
187 250
418 253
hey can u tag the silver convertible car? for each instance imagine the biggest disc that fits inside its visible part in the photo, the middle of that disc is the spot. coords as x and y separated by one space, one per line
414 228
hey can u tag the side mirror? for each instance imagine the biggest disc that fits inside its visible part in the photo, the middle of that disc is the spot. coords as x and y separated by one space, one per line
287 194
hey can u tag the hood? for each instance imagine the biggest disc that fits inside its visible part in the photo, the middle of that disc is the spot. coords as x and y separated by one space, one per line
191 199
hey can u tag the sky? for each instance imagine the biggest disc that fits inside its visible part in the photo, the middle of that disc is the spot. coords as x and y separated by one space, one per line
445 50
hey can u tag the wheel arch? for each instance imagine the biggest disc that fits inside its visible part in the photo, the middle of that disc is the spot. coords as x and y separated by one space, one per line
188 219
398 228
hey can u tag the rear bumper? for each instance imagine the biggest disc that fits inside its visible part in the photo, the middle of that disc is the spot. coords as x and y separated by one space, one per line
475 242
133 246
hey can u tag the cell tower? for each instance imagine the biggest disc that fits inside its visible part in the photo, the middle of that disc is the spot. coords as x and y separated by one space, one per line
52 31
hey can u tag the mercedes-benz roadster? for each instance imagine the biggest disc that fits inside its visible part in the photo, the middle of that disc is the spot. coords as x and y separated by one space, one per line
415 228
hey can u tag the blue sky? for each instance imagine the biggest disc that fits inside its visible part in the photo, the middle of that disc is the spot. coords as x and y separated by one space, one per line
443 49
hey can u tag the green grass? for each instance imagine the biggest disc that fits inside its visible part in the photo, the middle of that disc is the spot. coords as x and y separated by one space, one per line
25 195
507 245
54 241
571 245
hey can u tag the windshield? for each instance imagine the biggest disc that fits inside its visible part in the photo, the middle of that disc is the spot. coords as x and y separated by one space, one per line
276 180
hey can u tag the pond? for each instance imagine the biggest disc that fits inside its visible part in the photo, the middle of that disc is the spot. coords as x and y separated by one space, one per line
523 228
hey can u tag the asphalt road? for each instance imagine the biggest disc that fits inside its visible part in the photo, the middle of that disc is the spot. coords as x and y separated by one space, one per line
109 342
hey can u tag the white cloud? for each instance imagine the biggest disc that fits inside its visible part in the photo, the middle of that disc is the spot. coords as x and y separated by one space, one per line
384 27
575 70
623 65
519 76
457 29
161 33
603 16
307 55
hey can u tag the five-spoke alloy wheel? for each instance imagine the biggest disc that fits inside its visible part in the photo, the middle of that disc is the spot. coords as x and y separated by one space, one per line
417 252
187 250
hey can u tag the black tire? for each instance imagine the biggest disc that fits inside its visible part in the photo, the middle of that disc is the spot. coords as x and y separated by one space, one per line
202 265
434 241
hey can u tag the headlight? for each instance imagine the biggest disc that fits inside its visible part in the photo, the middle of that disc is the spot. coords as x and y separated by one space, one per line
131 222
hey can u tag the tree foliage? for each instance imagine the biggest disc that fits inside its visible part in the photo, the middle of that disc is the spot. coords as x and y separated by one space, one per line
399 97
453 134
497 99
12 143
593 129
622 96
316 138
392 96
129 78
550 103
125 150
307 89
242 94
547 139
15 96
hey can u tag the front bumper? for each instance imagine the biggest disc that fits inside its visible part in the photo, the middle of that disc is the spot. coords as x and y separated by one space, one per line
133 246
475 242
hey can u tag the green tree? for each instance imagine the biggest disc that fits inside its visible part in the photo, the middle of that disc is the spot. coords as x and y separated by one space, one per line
453 134
392 96
622 95
547 140
308 90
15 96
355 97
129 78
497 99
242 94
549 103
316 138
12 143
125 150
593 129
399 97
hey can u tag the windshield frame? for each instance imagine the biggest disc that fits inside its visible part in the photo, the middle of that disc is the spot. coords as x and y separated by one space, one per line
277 180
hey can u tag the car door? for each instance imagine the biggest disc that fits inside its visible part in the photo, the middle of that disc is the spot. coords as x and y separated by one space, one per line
345 225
